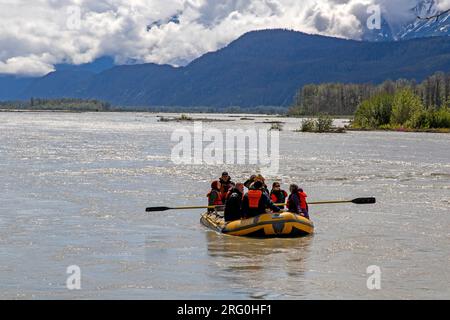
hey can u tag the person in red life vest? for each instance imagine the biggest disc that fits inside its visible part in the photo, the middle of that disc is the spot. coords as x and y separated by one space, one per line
277 195
214 196
233 207
297 201
256 201
303 203
226 184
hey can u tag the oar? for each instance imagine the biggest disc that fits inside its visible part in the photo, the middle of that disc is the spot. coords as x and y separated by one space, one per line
356 201
159 209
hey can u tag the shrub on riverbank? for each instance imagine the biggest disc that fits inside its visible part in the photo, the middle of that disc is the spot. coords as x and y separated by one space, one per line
276 127
429 119
324 123
400 111
308 125
405 105
374 112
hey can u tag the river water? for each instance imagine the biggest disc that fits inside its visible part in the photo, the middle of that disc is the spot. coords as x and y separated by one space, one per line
74 188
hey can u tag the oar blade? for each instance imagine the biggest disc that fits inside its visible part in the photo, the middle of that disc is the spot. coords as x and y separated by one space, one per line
157 209
365 201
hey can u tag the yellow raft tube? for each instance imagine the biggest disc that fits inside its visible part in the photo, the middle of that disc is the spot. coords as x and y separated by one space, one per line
268 225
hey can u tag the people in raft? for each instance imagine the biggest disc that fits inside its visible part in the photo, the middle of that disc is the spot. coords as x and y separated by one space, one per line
257 200
232 187
225 184
249 183
297 201
277 195
215 196
233 207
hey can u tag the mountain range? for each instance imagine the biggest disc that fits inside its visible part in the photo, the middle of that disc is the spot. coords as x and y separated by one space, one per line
261 68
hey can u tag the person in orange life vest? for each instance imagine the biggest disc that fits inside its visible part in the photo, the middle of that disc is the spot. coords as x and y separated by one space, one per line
214 196
233 207
297 201
277 195
256 201
226 184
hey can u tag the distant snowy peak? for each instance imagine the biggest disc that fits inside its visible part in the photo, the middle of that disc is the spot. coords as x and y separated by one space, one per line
425 8
427 28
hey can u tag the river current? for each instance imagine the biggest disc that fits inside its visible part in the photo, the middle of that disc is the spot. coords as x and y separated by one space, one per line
74 188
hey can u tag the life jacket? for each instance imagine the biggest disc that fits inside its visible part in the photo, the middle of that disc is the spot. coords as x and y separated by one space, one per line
302 198
218 201
303 203
280 198
253 198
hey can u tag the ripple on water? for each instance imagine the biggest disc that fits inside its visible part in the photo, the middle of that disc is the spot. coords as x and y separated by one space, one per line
75 187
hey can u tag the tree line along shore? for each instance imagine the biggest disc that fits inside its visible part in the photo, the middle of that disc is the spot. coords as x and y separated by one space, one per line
94 105
392 105
65 104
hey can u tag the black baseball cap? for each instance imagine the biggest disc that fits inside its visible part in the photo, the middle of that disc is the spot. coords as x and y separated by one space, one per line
258 185
225 174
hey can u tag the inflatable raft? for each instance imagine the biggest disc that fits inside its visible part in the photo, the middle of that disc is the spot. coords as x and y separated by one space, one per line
269 225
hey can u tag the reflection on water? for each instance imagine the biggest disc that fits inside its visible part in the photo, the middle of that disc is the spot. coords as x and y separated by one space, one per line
255 263
246 254
74 189
239 247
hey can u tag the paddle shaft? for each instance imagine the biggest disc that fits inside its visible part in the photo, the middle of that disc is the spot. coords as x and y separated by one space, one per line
159 209
356 201
316 203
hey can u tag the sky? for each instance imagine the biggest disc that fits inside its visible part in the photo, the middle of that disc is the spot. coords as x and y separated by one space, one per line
36 35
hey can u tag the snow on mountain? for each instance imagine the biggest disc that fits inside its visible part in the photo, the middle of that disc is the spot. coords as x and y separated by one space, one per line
421 28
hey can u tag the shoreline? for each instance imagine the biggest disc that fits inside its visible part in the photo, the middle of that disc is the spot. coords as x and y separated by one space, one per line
406 130
232 115
30 110
256 115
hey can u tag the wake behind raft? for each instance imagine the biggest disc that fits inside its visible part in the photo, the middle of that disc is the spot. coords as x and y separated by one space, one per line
268 225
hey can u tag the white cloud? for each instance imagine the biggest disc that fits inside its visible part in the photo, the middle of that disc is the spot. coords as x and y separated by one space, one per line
35 36
443 4
31 65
